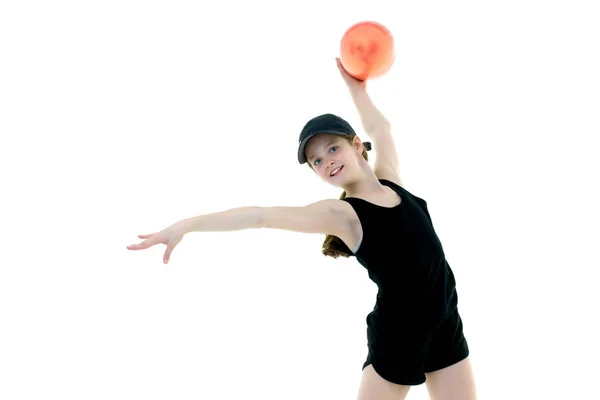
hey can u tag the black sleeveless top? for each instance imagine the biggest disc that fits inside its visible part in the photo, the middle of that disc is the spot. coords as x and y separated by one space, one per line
405 259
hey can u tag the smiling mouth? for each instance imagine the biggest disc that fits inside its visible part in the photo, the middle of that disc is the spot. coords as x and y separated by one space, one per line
336 171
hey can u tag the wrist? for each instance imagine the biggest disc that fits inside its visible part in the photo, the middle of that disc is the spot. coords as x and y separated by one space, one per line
357 89
187 225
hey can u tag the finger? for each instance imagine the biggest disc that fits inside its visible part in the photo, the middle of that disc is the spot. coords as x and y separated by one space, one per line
143 245
347 77
167 255
147 236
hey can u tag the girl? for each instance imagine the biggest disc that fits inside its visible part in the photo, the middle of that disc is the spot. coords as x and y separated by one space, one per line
414 331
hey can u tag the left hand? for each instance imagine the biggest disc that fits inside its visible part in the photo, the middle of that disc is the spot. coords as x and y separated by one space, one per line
351 81
170 236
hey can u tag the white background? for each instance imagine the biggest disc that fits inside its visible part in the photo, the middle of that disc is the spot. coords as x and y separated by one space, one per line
119 118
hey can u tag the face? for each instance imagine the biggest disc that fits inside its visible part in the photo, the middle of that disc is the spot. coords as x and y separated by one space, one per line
333 158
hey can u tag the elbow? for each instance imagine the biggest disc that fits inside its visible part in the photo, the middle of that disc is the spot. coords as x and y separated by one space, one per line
383 125
269 217
261 219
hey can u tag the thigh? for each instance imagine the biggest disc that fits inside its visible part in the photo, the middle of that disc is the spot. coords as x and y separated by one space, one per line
374 387
447 345
455 382
448 368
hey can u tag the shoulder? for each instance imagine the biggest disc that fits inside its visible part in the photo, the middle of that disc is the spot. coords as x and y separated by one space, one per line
400 189
325 216
341 208
343 212
388 174
394 185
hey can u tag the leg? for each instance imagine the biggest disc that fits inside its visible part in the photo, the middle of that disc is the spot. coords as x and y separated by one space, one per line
455 382
374 387
448 367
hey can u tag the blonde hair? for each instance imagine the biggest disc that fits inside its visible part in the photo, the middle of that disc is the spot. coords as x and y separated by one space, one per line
334 246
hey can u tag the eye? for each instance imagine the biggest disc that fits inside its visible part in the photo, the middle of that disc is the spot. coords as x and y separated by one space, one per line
331 150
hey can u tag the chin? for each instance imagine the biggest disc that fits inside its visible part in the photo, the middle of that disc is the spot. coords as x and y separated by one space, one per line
338 183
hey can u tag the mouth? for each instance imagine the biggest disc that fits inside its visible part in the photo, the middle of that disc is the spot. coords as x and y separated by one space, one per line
336 171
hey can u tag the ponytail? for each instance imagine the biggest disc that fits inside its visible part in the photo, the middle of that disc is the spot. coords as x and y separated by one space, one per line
334 246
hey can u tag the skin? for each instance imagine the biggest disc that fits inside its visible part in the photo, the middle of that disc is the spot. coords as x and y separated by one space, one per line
326 152
357 179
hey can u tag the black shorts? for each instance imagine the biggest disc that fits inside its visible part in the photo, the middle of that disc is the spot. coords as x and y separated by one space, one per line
404 359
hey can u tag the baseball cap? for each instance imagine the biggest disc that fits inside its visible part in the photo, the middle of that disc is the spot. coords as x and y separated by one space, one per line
326 123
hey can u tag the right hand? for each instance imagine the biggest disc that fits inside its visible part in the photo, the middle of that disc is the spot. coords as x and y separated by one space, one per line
170 236
351 81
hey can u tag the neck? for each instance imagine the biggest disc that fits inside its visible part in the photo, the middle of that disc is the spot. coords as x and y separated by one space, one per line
366 183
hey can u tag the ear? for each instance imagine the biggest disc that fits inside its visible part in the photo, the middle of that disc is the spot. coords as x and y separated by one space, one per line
357 144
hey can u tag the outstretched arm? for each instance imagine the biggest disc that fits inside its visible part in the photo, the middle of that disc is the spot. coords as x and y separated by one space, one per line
327 216
377 127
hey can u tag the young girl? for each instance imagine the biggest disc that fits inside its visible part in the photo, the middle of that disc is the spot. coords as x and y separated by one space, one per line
414 331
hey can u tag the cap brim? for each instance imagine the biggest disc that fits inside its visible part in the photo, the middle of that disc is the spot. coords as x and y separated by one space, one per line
302 147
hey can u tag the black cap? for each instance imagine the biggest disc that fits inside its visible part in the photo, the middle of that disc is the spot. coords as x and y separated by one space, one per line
326 123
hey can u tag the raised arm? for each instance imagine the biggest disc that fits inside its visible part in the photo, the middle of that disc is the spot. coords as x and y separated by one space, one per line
331 217
379 130
377 127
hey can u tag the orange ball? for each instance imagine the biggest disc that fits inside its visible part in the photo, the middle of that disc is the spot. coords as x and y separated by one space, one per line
367 50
